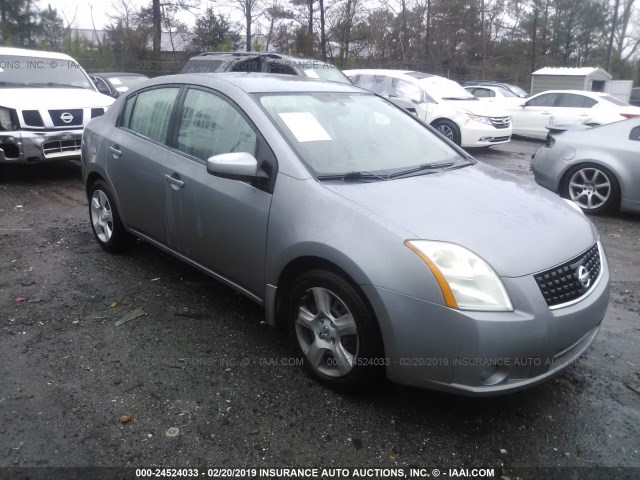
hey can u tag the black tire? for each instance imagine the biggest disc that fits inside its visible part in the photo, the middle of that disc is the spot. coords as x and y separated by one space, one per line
341 360
594 188
448 129
105 220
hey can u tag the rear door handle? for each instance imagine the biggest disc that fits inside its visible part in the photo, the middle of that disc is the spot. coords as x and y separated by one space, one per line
174 181
115 152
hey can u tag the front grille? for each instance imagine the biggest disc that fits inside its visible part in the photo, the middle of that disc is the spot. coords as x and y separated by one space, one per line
563 284
32 118
61 148
74 115
96 112
500 122
499 139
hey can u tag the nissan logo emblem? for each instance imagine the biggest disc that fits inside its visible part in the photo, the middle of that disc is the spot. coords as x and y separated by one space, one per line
583 276
66 117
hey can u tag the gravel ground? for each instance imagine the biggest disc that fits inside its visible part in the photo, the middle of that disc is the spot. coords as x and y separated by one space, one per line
197 357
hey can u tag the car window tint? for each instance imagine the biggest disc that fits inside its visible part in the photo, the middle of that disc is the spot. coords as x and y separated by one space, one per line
210 126
281 68
635 134
151 112
483 93
572 100
546 100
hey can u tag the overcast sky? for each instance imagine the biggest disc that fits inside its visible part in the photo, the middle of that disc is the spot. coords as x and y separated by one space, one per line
83 10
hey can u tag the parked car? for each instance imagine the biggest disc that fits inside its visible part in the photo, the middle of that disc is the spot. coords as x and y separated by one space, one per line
46 98
597 168
442 103
379 245
517 91
263 62
568 107
635 97
115 83
496 95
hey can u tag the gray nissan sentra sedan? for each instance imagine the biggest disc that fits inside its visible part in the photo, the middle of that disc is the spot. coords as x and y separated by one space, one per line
382 247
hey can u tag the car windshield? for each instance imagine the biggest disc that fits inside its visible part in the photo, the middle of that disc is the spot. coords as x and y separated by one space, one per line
517 90
353 133
125 82
19 71
326 71
445 89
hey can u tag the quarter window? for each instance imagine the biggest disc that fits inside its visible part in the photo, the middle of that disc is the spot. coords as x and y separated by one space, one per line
150 112
210 126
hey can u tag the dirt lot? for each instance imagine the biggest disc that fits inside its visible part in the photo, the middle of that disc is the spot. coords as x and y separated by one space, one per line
201 359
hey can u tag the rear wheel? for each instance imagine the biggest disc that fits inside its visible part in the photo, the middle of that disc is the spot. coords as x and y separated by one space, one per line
334 331
448 129
592 187
105 221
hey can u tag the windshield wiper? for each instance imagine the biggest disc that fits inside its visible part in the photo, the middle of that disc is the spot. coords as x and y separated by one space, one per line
354 176
423 167
459 98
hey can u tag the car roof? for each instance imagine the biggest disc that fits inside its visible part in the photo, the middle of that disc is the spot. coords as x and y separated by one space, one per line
259 82
279 56
117 74
23 52
578 92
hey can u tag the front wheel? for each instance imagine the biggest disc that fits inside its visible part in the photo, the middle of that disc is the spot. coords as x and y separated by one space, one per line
592 187
334 331
448 129
105 221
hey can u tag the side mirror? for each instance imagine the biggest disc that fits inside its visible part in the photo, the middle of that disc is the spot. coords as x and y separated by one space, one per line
235 166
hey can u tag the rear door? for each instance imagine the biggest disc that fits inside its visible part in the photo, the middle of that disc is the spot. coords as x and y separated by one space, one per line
138 153
573 109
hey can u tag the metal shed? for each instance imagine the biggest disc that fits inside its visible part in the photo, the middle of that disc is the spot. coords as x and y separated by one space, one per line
562 78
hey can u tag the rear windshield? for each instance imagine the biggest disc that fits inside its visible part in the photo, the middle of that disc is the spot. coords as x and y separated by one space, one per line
614 100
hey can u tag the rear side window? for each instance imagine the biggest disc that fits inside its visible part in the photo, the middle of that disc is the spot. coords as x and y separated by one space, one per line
483 93
149 112
210 125
571 100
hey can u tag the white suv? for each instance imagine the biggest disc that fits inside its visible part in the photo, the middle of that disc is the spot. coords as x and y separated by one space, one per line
46 99
442 103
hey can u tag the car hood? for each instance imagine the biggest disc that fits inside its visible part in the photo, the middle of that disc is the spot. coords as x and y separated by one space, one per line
478 107
52 98
518 227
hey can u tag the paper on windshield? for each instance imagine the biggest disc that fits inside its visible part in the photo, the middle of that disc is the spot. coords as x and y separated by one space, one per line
115 81
305 127
311 73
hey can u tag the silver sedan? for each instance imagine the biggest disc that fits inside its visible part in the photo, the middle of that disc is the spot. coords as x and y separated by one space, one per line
379 245
597 168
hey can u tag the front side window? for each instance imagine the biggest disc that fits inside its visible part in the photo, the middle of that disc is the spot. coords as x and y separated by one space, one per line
338 133
210 125
149 112
546 100
404 89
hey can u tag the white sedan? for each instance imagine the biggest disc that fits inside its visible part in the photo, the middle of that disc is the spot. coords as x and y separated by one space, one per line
568 107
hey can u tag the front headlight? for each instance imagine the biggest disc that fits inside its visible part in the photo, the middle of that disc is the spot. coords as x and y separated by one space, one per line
479 118
466 280
5 120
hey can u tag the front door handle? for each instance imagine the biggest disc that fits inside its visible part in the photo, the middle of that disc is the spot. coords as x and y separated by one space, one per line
176 182
115 152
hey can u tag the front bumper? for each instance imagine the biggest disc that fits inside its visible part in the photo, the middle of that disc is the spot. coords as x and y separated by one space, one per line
477 134
41 146
486 353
